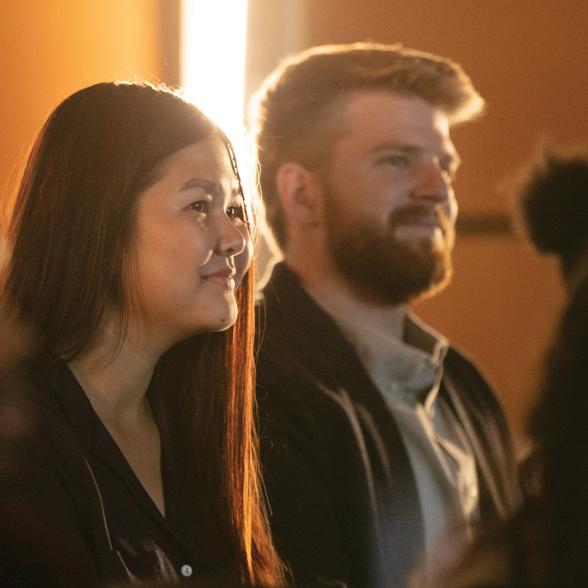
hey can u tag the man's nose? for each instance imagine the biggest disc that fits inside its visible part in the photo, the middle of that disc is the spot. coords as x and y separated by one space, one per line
432 182
231 237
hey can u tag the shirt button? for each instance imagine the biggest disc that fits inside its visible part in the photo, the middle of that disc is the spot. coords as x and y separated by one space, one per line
186 570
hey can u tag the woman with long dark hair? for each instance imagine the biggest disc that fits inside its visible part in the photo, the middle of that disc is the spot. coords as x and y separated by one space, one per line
130 256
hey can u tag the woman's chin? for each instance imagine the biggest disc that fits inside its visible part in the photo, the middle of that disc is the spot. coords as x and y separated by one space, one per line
224 320
229 320
219 318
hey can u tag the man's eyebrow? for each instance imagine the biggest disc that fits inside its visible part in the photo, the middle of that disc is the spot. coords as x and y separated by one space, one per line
451 156
406 147
454 159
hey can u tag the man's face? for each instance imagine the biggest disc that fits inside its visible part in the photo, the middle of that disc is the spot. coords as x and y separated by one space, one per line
390 209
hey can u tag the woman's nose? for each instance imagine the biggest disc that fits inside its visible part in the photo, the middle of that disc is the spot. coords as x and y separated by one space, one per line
232 237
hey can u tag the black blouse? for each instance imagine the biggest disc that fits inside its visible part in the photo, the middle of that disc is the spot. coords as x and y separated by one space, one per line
79 498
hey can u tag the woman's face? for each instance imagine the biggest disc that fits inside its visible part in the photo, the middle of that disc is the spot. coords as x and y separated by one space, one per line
193 245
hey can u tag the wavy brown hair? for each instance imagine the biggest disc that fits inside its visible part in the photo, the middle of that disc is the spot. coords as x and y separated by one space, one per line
71 229
296 111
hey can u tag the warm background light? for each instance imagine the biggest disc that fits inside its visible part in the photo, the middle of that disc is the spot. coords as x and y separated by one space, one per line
212 71
213 59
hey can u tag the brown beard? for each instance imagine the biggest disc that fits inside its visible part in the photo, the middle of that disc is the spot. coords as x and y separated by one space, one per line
380 268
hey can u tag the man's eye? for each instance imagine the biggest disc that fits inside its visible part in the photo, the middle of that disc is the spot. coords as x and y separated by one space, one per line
399 161
236 211
202 206
449 170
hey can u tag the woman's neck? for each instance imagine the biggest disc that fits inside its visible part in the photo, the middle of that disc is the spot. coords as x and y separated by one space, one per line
115 378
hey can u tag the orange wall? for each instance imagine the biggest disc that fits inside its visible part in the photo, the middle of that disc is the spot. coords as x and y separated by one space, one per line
528 59
50 48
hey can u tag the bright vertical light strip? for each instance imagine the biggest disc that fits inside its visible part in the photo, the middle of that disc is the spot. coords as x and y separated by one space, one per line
213 60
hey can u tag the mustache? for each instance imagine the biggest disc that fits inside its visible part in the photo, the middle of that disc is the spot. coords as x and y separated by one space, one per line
416 213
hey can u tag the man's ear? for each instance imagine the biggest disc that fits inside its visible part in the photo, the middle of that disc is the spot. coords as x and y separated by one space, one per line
300 192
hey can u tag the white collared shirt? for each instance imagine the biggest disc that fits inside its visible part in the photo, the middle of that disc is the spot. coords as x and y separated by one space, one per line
408 374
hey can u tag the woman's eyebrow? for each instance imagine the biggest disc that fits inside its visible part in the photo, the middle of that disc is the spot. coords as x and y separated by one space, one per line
214 188
210 186
237 191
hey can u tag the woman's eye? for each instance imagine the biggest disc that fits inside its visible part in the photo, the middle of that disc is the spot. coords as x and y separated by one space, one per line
200 206
236 211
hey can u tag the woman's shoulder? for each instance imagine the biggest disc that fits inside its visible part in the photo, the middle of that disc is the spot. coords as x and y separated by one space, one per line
36 433
42 484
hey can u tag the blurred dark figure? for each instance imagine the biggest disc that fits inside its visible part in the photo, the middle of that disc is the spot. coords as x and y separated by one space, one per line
545 544
553 208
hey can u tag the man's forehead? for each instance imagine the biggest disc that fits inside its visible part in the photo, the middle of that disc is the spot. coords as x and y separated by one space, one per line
381 116
381 107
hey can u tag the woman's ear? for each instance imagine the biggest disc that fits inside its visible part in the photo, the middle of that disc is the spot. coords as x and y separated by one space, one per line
300 193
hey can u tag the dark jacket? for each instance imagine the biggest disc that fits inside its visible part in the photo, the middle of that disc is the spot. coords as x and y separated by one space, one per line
342 493
71 506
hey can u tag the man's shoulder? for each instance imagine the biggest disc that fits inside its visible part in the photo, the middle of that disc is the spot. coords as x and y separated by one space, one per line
458 359
300 350
464 372
284 303
295 335
44 433
470 393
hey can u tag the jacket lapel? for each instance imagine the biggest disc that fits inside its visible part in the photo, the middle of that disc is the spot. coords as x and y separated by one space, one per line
92 435
483 439
308 335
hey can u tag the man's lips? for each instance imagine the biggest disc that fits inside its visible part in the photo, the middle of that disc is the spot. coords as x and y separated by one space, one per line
421 221
417 219
425 224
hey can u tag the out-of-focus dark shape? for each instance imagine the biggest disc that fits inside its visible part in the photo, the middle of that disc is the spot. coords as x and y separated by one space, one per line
544 544
552 204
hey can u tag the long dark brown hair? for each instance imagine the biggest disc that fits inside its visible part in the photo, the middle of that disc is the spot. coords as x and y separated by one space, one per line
71 228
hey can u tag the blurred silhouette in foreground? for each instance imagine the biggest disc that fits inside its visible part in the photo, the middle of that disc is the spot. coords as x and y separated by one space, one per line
545 544
553 208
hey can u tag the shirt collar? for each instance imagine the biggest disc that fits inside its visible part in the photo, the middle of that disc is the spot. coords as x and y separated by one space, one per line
404 369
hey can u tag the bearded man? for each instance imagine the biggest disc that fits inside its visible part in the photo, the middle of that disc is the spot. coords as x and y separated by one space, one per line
376 434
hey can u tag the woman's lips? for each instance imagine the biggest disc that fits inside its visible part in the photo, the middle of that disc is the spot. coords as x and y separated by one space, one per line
223 278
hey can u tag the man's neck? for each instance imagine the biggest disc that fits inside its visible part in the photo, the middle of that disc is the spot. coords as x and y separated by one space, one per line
332 292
